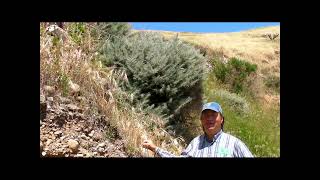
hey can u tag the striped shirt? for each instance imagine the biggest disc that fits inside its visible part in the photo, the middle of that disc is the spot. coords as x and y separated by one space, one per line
223 145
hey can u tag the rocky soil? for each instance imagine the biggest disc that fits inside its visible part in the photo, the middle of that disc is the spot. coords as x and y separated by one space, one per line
65 131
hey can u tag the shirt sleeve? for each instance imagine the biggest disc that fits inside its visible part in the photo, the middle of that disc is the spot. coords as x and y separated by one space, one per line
185 153
241 150
163 153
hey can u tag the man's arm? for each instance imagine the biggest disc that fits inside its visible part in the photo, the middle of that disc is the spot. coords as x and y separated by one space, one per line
163 153
185 153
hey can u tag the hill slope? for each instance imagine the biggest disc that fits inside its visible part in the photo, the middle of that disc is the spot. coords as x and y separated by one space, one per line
252 45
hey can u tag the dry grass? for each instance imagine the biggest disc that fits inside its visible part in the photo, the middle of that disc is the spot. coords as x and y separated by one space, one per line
251 45
61 62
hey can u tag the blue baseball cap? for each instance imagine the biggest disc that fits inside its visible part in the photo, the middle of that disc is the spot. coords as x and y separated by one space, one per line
212 106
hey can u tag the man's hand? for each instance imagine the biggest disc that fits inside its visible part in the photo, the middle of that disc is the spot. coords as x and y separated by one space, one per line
149 145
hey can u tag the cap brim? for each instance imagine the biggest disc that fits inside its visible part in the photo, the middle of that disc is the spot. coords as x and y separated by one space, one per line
216 110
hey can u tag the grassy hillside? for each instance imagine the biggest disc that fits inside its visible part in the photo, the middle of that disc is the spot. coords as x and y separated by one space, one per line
251 45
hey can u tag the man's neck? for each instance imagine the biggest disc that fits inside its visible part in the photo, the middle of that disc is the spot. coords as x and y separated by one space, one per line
211 136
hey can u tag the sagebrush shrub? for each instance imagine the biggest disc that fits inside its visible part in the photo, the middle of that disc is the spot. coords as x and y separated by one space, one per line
159 71
236 102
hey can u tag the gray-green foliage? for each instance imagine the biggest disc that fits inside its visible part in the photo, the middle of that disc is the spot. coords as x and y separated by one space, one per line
159 71
236 102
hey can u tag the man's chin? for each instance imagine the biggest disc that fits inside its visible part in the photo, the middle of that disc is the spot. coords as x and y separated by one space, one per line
210 129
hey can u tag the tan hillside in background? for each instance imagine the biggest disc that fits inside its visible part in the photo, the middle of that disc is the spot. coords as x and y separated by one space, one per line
252 45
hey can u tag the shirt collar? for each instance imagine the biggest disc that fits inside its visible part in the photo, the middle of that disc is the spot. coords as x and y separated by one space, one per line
215 137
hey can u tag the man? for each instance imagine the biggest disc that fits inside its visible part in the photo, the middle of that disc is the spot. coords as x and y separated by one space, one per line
213 143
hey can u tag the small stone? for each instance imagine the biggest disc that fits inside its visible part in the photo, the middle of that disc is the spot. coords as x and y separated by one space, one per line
50 99
73 145
97 136
58 132
111 146
79 155
162 134
83 136
78 129
49 89
80 98
91 133
101 144
100 150
43 153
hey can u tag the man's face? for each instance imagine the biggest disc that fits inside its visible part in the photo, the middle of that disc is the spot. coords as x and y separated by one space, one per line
211 121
